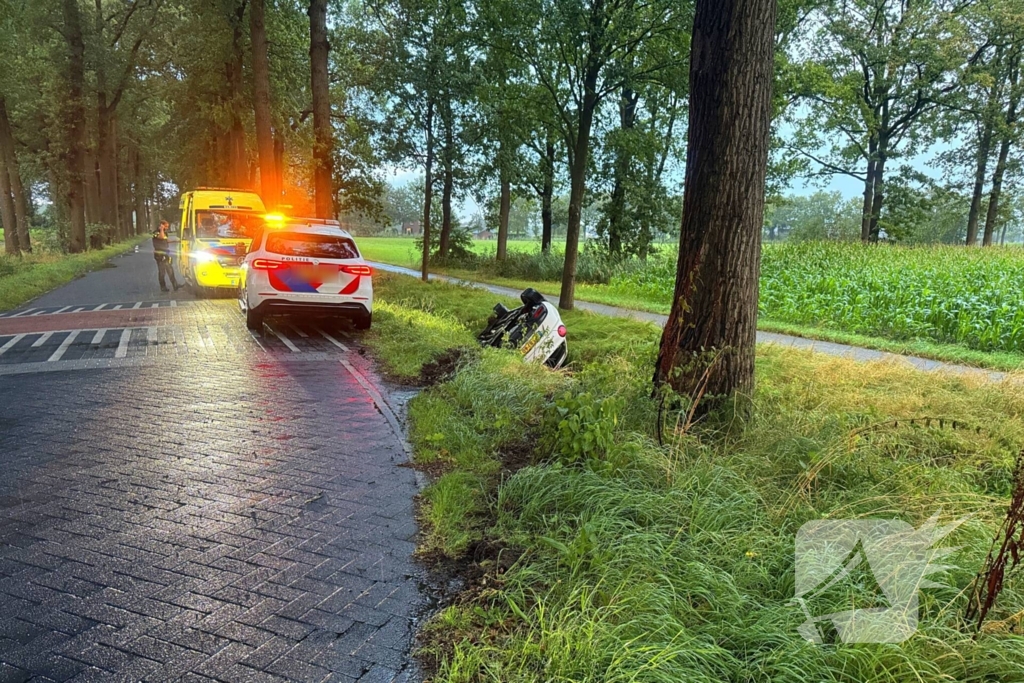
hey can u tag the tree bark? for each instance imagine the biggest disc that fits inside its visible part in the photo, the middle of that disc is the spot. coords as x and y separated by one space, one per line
577 188
7 217
981 165
139 192
323 140
279 163
9 158
546 195
235 73
504 208
869 191
269 183
106 152
617 211
1004 151
879 194
707 346
428 189
75 122
448 180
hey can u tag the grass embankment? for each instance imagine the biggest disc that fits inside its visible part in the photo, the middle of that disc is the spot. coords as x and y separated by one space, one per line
611 558
947 303
22 278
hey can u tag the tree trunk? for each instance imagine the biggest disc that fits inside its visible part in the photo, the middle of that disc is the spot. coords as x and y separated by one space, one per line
617 210
92 187
269 184
75 122
9 159
428 189
869 192
139 193
504 208
279 163
577 187
879 198
235 72
7 217
448 179
981 165
546 195
1004 152
106 152
323 140
707 347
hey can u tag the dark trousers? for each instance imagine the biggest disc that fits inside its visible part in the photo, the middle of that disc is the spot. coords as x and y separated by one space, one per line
164 266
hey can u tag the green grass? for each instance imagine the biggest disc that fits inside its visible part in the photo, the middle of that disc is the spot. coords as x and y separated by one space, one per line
402 251
22 278
947 303
640 562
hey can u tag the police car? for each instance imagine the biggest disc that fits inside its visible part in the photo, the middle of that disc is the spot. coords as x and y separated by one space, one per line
305 267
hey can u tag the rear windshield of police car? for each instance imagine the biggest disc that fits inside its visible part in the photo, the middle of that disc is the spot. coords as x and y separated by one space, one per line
311 246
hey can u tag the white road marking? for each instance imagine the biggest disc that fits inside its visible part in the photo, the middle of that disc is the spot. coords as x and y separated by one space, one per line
61 310
332 339
79 309
174 304
45 337
63 347
116 308
98 337
122 345
151 335
99 308
298 331
286 340
155 306
138 304
17 338
40 312
255 339
16 315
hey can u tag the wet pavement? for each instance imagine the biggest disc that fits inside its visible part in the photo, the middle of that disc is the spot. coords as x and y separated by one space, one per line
184 500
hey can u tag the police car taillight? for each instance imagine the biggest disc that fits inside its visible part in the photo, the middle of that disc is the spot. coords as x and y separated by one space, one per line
265 264
357 270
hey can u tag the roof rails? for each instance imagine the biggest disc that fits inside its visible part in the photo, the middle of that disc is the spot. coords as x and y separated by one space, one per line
224 189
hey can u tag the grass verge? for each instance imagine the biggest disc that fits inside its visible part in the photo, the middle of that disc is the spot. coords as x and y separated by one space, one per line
399 255
23 278
614 558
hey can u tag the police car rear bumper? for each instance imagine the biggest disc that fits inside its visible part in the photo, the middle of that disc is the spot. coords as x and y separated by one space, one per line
313 309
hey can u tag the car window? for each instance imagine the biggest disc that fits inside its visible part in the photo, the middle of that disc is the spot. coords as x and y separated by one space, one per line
311 246
227 224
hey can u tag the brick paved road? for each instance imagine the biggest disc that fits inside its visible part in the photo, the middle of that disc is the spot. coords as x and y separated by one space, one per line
235 514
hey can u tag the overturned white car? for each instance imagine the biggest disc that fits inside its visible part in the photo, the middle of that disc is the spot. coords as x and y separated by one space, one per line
535 328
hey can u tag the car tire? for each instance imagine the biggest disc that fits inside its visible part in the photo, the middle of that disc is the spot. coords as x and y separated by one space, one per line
363 321
254 319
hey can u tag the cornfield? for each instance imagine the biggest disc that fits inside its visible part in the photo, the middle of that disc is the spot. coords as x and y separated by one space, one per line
970 297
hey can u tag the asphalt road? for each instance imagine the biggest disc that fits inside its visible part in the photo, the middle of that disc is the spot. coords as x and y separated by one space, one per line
184 500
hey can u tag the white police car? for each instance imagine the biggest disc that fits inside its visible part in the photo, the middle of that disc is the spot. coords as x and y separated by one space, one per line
305 267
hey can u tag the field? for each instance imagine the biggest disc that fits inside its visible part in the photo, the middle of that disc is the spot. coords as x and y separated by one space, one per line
952 303
595 554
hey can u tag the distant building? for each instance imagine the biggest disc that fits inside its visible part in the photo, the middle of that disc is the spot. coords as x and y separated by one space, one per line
484 234
412 228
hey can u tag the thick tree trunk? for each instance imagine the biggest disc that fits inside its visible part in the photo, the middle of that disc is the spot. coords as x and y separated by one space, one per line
323 140
106 158
869 191
1004 152
9 158
617 210
7 217
577 188
448 159
75 122
546 195
269 184
279 163
980 169
428 189
92 187
879 195
139 192
235 72
504 208
707 347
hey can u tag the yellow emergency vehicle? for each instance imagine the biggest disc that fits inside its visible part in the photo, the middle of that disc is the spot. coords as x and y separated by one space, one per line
217 227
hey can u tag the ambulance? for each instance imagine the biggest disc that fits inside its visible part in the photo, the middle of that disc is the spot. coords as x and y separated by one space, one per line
217 227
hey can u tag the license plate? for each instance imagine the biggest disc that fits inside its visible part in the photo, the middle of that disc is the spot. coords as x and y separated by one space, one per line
530 343
321 274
